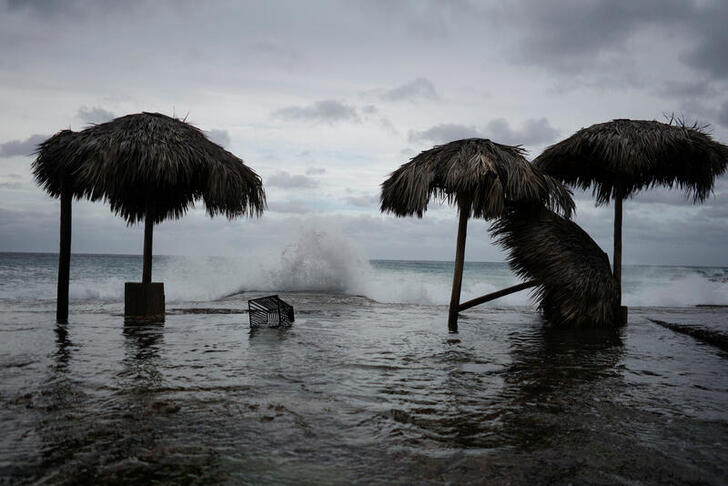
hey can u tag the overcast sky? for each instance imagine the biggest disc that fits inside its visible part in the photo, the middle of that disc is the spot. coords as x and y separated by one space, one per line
325 99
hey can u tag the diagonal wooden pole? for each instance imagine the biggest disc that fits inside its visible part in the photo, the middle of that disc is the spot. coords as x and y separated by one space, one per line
497 295
457 279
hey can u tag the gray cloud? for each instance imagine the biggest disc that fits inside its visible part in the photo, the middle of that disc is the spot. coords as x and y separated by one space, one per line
315 171
25 147
289 207
220 137
288 181
11 185
420 88
364 201
535 131
444 132
94 114
274 52
328 111
688 89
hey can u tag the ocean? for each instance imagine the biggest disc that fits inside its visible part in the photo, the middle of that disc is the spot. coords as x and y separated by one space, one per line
367 387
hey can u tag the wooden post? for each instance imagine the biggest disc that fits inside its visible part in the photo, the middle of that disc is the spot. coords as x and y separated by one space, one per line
617 258
64 256
148 235
457 279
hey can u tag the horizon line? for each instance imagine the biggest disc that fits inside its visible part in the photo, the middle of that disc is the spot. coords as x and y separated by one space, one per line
2 252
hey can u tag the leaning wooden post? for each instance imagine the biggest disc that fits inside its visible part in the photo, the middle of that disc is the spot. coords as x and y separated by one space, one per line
617 259
148 237
64 256
457 279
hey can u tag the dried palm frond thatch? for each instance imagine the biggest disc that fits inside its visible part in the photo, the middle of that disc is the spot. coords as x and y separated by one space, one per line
149 164
474 173
149 167
576 286
52 167
482 178
621 157
637 154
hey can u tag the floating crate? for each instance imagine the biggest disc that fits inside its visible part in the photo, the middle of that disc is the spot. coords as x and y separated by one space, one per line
270 311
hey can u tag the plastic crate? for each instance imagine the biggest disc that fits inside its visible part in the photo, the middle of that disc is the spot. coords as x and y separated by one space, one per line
270 311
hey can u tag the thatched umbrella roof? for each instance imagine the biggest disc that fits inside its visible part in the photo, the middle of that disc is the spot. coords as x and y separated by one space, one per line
52 167
149 164
639 154
472 172
576 286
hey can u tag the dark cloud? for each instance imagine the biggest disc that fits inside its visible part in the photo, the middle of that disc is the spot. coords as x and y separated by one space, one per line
364 201
420 88
288 181
723 114
25 147
707 21
220 137
535 131
315 171
94 114
444 132
328 111
572 33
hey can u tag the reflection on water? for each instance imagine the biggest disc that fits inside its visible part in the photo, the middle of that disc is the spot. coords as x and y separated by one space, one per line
63 348
361 392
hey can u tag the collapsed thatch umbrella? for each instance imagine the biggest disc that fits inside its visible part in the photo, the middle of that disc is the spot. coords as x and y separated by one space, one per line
149 167
576 287
621 157
481 177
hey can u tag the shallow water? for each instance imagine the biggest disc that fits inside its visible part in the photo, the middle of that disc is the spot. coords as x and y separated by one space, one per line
357 392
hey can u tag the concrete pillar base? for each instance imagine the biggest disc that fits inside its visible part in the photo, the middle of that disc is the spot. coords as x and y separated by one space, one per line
143 302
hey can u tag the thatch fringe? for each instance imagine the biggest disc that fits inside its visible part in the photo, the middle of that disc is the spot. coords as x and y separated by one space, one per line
149 163
639 154
576 286
476 173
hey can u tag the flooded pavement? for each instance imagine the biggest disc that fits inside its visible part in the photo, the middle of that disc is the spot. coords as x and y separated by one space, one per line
358 392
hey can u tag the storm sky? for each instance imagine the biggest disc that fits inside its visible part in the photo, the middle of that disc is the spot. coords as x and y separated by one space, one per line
325 99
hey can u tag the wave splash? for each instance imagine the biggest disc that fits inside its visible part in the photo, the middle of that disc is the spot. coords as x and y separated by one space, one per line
326 261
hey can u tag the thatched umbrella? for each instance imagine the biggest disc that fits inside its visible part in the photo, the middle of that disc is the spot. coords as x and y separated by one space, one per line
621 157
149 167
576 287
481 177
